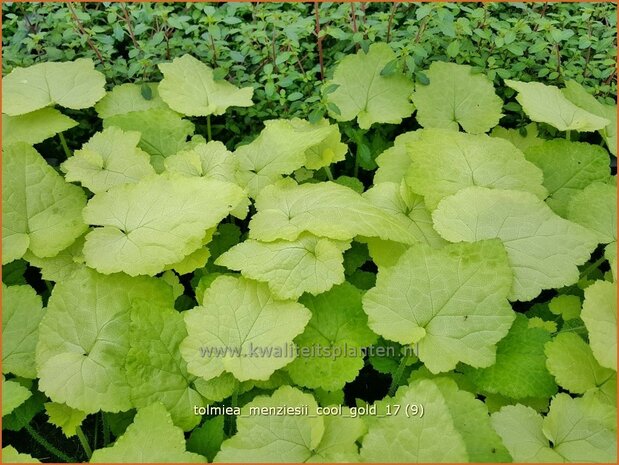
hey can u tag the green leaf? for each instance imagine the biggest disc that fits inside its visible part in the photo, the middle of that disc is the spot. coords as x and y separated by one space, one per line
329 150
108 159
610 252
450 302
287 209
64 417
544 250
154 223
34 128
364 93
394 162
470 417
210 161
206 439
284 146
569 433
83 338
290 268
61 266
196 259
520 428
599 312
188 86
338 326
523 138
72 84
456 97
568 168
127 98
241 329
401 203
291 438
13 395
444 162
11 455
163 131
218 388
568 306
40 211
595 207
22 311
547 104
579 96
571 362
520 368
436 435
155 369
150 438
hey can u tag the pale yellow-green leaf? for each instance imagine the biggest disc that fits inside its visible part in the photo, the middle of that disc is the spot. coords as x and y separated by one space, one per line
599 312
547 104
544 250
188 86
41 212
34 128
365 94
455 97
111 157
126 98
71 84
290 268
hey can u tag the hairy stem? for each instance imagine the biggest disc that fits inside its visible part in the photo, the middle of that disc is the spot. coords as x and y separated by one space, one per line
84 441
329 173
209 133
397 376
106 430
47 446
65 147
594 266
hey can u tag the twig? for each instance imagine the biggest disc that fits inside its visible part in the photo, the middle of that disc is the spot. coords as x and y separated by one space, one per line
214 49
353 15
421 29
129 26
83 32
541 15
319 41
394 8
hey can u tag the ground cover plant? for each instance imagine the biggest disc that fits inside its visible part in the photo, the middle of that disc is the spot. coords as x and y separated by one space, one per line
428 253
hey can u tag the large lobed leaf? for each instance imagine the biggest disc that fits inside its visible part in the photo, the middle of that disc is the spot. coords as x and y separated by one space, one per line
364 92
154 223
544 250
451 302
41 213
240 328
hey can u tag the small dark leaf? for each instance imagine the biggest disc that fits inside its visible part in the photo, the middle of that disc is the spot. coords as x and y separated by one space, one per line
146 92
389 68
331 88
422 78
315 116
333 108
